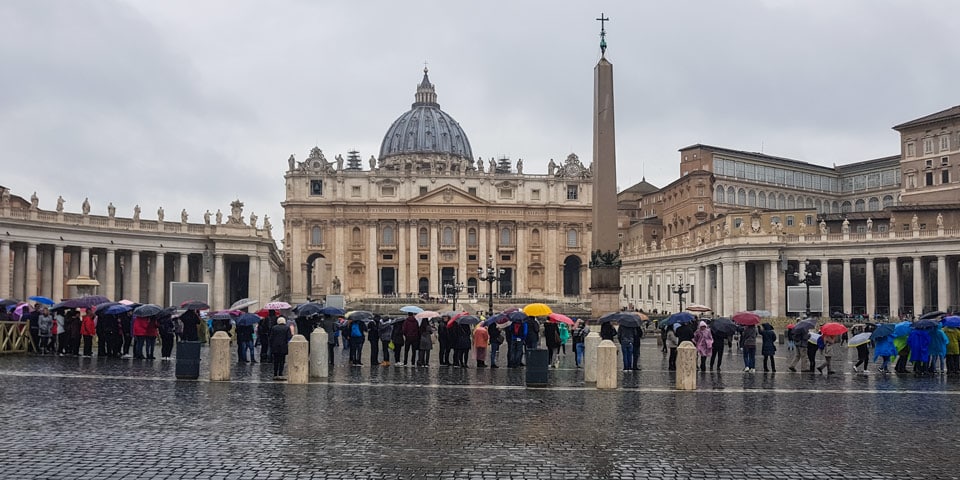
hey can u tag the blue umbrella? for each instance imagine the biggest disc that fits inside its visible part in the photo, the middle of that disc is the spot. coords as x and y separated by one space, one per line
41 300
248 320
952 321
115 309
328 310
925 324
679 317
883 330
307 309
411 309
901 329
494 319
517 316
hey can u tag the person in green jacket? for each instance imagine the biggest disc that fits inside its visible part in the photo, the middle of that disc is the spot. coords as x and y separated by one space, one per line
564 337
953 350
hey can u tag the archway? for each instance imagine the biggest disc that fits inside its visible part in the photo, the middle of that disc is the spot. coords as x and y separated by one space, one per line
317 276
571 275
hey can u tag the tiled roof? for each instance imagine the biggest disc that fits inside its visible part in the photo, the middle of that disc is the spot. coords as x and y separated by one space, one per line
933 117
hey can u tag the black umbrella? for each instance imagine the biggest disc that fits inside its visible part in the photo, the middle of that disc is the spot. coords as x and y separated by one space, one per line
625 319
925 324
307 309
194 305
723 325
248 319
8 301
468 320
931 315
85 302
148 310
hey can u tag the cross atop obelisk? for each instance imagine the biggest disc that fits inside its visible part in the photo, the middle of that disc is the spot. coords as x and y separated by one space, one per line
603 33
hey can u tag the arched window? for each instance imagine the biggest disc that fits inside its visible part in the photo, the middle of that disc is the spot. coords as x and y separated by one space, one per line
835 207
731 195
572 238
772 201
887 201
316 236
424 238
720 195
791 203
472 237
819 206
742 197
762 200
845 207
782 202
386 236
355 236
859 205
752 198
505 237
874 203
447 236
809 202
535 237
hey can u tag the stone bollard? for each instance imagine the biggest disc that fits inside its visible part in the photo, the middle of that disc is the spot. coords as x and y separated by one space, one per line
318 354
590 357
298 371
686 366
606 365
220 357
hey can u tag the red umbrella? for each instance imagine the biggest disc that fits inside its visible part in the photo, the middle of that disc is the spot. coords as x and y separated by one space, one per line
454 318
746 318
833 328
559 317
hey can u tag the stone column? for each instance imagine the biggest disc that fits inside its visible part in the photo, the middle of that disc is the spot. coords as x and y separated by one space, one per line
917 286
943 295
134 277
31 271
74 271
319 367
183 271
590 345
5 269
110 290
774 301
847 288
707 287
728 290
686 366
219 282
462 273
100 273
482 258
742 286
825 287
414 271
298 370
85 261
220 357
19 271
894 288
871 289
373 270
606 365
521 257
434 260
57 272
402 280
553 263
700 287
159 268
253 278
340 257
720 307
46 272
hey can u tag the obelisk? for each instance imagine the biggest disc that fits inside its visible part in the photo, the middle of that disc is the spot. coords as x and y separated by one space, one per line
605 257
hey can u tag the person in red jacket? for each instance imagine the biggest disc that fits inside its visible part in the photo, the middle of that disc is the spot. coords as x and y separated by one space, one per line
141 325
88 328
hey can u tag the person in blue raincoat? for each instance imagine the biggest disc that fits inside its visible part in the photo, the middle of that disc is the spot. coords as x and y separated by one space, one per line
886 350
938 351
919 343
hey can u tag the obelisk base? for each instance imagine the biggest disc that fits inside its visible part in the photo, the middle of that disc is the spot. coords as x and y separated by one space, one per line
604 300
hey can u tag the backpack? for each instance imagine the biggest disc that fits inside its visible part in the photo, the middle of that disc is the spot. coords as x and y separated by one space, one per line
355 330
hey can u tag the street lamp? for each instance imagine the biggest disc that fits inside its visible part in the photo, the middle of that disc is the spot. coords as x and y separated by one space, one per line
490 274
808 277
680 289
454 287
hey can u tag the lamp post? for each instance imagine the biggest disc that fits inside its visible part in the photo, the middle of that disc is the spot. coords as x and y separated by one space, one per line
680 289
808 277
489 274
455 288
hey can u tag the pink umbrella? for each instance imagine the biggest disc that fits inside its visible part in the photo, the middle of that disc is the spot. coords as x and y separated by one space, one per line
20 310
559 317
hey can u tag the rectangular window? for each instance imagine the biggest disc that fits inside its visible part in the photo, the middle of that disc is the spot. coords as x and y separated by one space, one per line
472 257
861 229
750 172
423 190
945 176
944 161
927 145
929 179
316 187
699 191
388 191
882 228
789 178
929 163
911 150
388 256
535 194
572 192
506 193
789 220
424 257
739 168
504 258
944 143
472 191
808 220
737 222
700 207
355 191
873 180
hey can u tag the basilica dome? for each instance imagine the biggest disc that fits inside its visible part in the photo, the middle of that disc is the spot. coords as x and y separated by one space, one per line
425 129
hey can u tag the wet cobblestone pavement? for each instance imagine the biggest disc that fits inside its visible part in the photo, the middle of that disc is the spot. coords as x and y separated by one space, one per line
78 418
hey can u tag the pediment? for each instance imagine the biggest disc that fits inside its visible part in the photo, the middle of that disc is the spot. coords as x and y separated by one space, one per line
447 195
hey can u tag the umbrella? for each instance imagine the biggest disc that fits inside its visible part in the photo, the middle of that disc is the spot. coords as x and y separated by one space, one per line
147 310
103 306
833 328
696 307
805 324
276 306
222 315
115 309
952 321
625 319
126 302
746 318
85 302
882 330
248 319
8 301
426 314
902 329
20 310
931 315
679 317
559 317
411 309
813 338
361 315
643 316
307 309
859 339
495 319
194 305
334 311
243 303
467 320
517 316
925 324
762 313
723 325
537 310
41 300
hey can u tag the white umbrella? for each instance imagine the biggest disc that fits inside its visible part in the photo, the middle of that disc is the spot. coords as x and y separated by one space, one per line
859 339
276 306
243 303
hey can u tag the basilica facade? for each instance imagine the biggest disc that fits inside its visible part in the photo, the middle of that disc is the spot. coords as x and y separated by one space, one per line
426 215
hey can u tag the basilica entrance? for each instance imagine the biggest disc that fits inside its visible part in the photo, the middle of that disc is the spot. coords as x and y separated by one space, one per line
318 276
388 281
571 276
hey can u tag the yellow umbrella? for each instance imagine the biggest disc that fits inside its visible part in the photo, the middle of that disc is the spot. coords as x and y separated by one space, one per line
537 310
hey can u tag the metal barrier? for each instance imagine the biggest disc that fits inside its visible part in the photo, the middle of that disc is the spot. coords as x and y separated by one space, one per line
15 337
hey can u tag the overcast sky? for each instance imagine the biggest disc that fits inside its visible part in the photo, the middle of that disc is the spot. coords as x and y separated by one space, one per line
191 104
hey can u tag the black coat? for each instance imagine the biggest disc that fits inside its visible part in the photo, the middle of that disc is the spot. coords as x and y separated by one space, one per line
280 335
190 321
551 332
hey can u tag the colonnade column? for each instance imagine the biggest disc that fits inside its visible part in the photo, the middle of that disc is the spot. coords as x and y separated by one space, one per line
414 259
31 271
402 288
373 271
73 272
434 276
718 308
520 285
183 273
219 283
57 272
871 290
701 281
847 288
773 303
253 278
5 269
159 267
943 300
553 263
46 273
917 286
482 258
894 288
111 278
728 291
825 287
134 277
741 286
19 276
462 273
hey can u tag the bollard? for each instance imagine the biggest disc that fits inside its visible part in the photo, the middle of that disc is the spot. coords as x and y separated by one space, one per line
606 365
536 371
686 366
298 371
318 354
220 357
590 357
